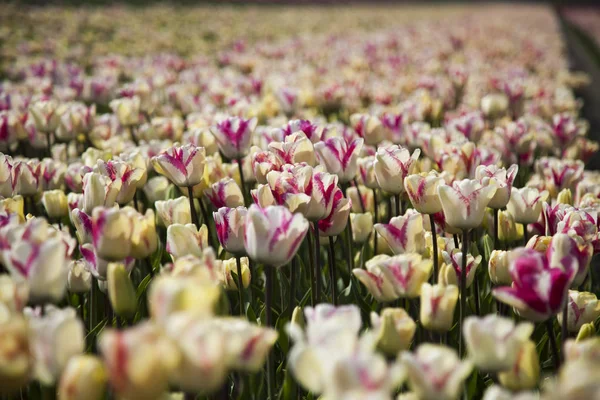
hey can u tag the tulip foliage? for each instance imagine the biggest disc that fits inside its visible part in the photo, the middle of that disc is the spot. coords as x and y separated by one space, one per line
342 204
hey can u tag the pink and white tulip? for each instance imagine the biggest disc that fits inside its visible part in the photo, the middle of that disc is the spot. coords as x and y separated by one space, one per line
234 136
464 202
393 164
183 165
230 225
340 157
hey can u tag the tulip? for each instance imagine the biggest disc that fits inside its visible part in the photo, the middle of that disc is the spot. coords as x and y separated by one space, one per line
498 267
264 162
55 204
368 127
46 115
6 166
156 189
26 177
182 165
56 337
539 243
362 199
366 169
464 202
324 187
362 227
230 267
340 157
83 225
52 175
565 196
73 177
529 299
393 164
234 136
123 172
273 234
586 331
121 292
225 193
186 239
564 247
335 223
97 266
404 234
494 342
395 330
230 224
451 270
16 361
389 278
79 279
494 105
13 205
99 191
503 180
176 211
435 372
587 349
263 196
525 373
139 361
127 110
295 149
112 230
84 378
168 128
13 295
582 308
526 204
422 192
437 306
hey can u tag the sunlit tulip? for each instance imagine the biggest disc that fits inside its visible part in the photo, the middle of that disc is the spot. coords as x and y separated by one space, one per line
294 149
123 172
99 191
335 223
452 267
422 191
324 187
586 331
494 342
139 361
55 203
233 136
498 267
56 337
464 202
79 279
583 308
394 329
393 164
565 197
225 193
264 162
404 234
83 225
156 189
121 292
273 234
127 110
73 177
186 239
26 177
13 205
525 373
503 180
368 127
176 211
183 165
340 157
539 243
362 227
230 267
16 360
84 378
437 306
389 278
230 224
263 196
435 372
528 296
564 247
525 204
46 115
366 169
112 231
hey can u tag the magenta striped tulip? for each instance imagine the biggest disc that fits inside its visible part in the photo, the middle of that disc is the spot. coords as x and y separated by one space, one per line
234 136
183 165
340 157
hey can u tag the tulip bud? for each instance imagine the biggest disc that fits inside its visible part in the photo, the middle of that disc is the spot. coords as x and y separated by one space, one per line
498 267
156 188
362 227
225 193
394 329
298 318
422 191
583 307
182 165
437 306
230 267
16 361
464 202
144 239
539 243
79 279
565 197
525 204
585 332
234 136
55 203
507 229
186 239
112 230
121 291
84 378
524 375
393 164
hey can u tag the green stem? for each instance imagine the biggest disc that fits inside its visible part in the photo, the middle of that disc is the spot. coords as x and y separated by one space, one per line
193 208
293 271
463 291
269 323
553 346
241 169
240 283
332 273
376 219
318 276
435 249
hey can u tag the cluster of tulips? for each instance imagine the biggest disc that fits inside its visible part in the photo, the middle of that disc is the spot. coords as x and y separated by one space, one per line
389 211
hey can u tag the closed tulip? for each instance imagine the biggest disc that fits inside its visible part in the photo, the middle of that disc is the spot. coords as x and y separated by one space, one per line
498 267
366 169
99 191
389 278
16 360
435 372
422 191
83 225
144 238
56 337
84 378
112 230
525 204
452 267
139 361
368 127
525 373
464 202
121 292
437 306
395 330
26 177
79 279
6 165
273 234
263 196
183 165
494 342
230 267
362 227
128 176
500 177
127 110
361 197
393 164
156 189
335 223
225 193
583 308
176 211
340 157
230 224
55 203
564 247
234 135
404 234
186 239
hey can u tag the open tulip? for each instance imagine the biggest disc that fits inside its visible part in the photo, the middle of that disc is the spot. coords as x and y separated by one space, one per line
84 378
234 136
394 329
183 165
264 162
230 225
494 342
437 306
464 202
340 157
225 193
83 225
422 191
112 230
582 308
263 196
404 234
393 164
123 172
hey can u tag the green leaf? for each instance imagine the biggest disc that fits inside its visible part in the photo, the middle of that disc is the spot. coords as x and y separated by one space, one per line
488 246
141 289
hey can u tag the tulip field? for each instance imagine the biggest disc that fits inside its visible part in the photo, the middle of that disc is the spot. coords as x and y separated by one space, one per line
281 202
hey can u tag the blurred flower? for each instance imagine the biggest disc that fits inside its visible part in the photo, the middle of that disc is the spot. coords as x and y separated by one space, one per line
498 267
362 227
234 136
16 360
186 239
156 189
127 110
368 127
112 230
394 329
99 191
525 373
583 308
176 211
437 306
84 378
79 279
121 292
451 270
225 193
26 177
55 203
46 115
230 267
